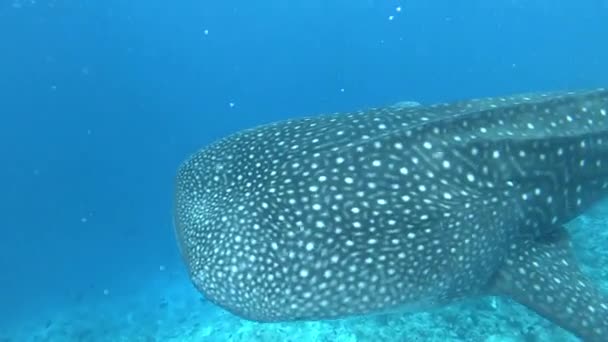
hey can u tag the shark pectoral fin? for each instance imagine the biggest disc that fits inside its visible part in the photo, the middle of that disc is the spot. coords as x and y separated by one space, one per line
543 275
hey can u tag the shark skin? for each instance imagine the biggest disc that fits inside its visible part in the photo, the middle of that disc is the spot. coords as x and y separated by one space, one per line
376 210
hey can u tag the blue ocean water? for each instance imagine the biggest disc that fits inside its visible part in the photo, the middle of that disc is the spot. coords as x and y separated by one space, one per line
101 100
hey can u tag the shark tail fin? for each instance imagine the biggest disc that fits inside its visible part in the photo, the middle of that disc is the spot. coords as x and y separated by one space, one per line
543 275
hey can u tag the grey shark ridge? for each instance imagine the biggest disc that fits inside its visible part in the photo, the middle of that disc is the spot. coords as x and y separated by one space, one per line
390 208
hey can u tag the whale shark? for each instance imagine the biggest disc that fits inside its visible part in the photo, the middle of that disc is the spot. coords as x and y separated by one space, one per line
401 208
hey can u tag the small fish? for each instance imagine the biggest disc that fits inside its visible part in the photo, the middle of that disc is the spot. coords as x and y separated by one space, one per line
405 104
400 208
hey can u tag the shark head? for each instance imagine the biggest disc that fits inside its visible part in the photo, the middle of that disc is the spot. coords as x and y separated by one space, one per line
400 207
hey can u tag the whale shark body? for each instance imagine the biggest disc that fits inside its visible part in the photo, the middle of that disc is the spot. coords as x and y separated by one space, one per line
400 208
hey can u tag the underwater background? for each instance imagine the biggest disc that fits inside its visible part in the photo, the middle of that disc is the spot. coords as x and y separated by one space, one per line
100 101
